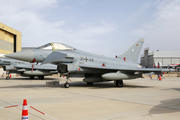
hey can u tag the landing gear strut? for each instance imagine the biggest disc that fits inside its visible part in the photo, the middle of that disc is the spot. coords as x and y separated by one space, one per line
119 83
67 85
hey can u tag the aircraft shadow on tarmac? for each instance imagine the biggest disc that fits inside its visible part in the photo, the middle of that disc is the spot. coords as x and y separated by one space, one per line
101 85
23 86
177 89
166 106
73 85
172 104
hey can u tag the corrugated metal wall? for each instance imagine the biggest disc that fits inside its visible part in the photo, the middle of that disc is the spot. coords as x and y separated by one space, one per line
4 45
167 61
6 42
164 58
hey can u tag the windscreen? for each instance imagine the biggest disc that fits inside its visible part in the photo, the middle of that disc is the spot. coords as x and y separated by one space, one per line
46 46
60 46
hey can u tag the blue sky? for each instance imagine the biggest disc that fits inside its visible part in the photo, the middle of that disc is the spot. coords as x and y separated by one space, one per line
105 27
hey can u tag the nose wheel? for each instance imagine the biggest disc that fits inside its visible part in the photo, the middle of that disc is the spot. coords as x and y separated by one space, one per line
66 85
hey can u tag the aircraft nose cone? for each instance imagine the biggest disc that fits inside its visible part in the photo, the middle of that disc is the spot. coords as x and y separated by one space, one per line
27 55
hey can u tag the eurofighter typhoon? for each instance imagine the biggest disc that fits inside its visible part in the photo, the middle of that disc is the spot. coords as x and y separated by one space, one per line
27 69
93 68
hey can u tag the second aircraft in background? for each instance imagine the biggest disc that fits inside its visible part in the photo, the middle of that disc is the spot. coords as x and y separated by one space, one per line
27 69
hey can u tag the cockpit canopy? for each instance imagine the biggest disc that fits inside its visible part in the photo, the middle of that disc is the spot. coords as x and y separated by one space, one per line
55 46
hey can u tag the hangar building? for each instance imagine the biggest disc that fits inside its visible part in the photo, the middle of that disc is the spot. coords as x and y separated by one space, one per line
10 39
159 58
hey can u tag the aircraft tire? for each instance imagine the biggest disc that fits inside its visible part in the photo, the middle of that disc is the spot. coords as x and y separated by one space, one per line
7 78
119 83
66 85
89 83
41 77
31 77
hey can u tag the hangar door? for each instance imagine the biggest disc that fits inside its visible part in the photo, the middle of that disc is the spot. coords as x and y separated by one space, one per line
7 42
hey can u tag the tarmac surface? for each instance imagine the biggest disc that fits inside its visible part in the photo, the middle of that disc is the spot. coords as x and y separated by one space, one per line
139 99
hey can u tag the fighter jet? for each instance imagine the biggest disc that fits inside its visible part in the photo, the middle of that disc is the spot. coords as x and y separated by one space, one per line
72 62
27 69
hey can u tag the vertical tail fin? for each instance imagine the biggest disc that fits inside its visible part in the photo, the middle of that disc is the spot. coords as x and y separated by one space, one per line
133 52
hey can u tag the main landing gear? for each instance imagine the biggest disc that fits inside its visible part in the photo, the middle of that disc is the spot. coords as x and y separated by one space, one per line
31 77
7 78
41 77
118 83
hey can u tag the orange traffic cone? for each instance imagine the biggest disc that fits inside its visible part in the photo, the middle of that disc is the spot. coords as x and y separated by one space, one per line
160 78
25 110
10 76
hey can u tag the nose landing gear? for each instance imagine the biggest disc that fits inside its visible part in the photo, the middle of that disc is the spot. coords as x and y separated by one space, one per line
67 85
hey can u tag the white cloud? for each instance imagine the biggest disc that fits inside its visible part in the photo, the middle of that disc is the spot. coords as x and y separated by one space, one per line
29 17
87 30
21 14
26 16
162 32
85 36
21 5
